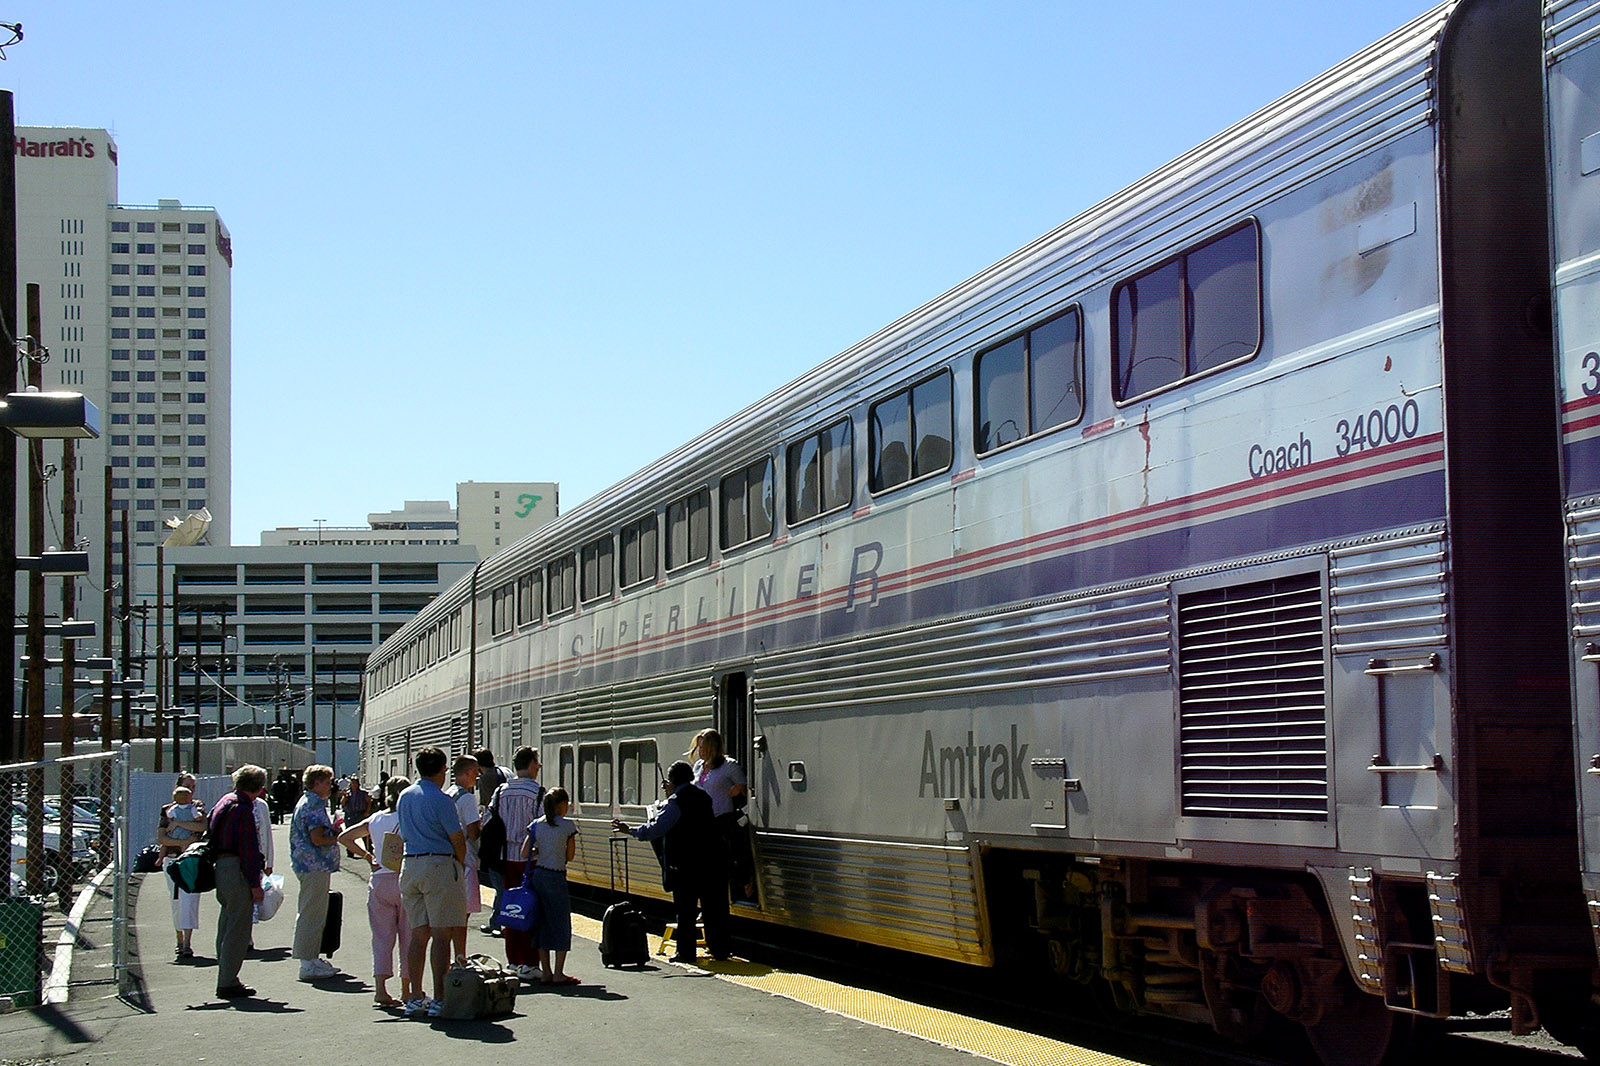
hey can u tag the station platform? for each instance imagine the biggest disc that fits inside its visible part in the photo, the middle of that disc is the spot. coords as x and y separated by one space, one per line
737 1010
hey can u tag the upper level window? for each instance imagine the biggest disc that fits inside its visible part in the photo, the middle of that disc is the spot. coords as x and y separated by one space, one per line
689 530
1197 311
746 498
562 593
500 608
530 598
821 472
1030 383
911 433
638 560
599 571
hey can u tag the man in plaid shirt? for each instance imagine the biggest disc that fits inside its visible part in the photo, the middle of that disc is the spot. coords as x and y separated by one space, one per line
239 863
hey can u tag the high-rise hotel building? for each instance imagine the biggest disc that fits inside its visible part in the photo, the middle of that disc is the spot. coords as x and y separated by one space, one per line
137 315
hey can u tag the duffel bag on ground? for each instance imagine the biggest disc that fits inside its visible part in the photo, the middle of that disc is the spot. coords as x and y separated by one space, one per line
148 861
477 987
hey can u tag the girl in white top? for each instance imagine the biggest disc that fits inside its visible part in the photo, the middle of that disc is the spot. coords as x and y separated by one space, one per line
384 910
720 776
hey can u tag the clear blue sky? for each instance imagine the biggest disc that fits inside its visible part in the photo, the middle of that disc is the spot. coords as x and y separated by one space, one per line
519 241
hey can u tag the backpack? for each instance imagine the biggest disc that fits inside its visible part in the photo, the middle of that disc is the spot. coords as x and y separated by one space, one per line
492 838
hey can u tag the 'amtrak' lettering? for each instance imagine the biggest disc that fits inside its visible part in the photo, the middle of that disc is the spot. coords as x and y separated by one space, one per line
987 771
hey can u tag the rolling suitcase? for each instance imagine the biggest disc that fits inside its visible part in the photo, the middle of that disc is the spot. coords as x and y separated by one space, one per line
622 936
478 987
334 926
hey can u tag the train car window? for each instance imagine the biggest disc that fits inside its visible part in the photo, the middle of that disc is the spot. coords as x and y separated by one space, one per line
1031 383
689 530
639 551
640 773
566 775
746 497
594 773
500 610
563 586
530 598
599 568
821 471
1198 311
910 434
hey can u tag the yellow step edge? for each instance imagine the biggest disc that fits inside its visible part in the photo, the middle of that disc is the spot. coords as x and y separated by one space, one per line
998 1043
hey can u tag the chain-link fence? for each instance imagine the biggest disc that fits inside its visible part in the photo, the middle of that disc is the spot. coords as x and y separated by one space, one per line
66 822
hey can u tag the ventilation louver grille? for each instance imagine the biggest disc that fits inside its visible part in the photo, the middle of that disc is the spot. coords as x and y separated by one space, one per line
1253 700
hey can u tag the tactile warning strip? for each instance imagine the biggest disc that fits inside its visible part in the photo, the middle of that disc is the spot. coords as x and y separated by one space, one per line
995 1042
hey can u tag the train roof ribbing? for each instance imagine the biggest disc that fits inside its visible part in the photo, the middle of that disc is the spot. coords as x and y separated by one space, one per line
1379 94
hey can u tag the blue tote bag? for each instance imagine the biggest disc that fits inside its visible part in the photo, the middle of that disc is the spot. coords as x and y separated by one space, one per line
519 907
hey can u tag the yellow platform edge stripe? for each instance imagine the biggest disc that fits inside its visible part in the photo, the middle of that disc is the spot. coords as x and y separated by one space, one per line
997 1043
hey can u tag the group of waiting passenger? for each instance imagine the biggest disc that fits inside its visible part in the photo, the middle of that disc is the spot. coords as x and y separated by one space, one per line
422 843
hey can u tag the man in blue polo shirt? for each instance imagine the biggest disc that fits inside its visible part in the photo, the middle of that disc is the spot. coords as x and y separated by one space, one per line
431 872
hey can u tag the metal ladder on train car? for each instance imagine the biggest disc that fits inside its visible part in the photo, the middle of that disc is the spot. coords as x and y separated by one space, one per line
1364 916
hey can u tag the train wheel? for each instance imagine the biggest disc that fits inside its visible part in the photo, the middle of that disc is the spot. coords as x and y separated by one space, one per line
1358 1030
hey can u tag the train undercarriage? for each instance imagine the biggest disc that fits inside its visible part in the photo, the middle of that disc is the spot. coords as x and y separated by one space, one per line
1245 952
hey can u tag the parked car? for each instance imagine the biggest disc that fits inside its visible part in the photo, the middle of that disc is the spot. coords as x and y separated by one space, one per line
60 876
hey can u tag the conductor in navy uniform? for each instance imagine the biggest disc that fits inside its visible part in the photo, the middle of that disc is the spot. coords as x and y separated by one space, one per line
694 861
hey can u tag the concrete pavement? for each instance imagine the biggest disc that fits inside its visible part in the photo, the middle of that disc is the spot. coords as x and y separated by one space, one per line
651 1014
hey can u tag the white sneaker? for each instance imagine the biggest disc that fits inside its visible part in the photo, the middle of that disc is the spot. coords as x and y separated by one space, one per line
527 973
316 969
424 1007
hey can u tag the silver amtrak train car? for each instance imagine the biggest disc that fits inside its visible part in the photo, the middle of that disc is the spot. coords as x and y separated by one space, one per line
1572 31
1177 603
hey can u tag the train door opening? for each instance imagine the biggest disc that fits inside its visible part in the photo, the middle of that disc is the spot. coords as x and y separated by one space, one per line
735 720
733 717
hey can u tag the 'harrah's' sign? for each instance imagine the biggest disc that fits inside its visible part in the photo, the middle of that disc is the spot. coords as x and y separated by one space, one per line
81 147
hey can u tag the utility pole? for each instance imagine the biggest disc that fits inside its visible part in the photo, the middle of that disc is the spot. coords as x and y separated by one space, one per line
312 685
161 642
8 442
34 676
106 643
277 695
333 715
69 665
127 624
222 673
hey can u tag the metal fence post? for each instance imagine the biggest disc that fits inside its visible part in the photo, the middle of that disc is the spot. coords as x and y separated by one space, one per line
119 876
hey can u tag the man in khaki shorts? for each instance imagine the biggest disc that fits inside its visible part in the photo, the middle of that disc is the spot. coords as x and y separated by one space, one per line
431 874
